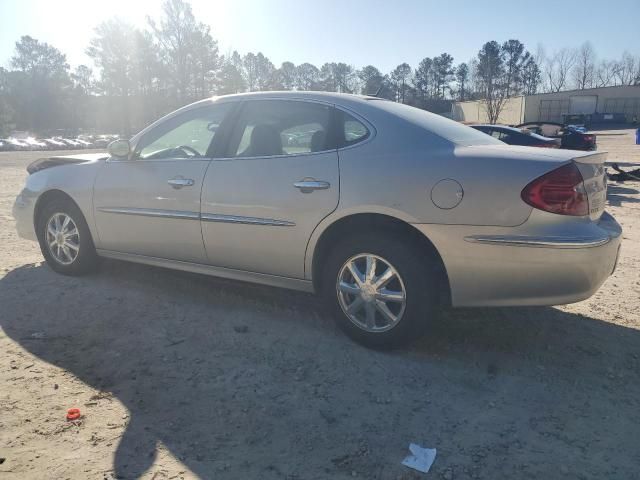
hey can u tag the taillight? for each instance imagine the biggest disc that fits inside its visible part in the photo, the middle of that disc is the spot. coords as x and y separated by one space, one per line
588 138
560 191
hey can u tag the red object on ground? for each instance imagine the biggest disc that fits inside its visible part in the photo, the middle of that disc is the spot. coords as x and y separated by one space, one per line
73 414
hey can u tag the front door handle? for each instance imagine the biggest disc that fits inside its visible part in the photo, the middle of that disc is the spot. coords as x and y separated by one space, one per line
308 186
179 182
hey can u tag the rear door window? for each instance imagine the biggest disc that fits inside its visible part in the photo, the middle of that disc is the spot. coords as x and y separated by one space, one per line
281 127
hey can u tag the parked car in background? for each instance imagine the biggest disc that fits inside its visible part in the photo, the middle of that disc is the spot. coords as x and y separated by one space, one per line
515 136
35 144
101 141
386 210
55 144
17 144
572 137
71 143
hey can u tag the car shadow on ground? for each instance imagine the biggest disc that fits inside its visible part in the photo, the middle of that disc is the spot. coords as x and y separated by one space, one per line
243 381
618 194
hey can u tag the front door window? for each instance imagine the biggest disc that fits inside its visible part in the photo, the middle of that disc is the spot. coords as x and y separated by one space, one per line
186 136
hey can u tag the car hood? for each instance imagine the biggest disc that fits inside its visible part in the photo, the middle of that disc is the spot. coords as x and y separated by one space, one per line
48 162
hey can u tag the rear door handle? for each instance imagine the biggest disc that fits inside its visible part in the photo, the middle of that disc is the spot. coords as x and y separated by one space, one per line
179 182
308 186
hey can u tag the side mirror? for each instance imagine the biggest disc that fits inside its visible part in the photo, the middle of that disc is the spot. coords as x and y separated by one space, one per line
119 148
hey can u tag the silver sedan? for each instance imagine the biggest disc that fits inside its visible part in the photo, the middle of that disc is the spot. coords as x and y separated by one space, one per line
386 210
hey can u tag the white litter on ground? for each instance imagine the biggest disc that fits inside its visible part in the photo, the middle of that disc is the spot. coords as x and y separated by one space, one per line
420 459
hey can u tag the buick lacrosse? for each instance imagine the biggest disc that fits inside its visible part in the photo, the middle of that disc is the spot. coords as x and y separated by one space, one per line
386 210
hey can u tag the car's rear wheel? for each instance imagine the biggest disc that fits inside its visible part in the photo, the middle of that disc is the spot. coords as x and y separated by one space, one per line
381 288
65 240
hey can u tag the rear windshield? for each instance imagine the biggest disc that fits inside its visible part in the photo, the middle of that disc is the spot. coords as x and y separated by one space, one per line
454 132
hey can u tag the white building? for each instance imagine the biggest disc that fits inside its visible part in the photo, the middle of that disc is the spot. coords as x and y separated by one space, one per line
622 100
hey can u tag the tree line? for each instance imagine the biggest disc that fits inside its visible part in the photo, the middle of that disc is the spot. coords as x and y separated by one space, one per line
143 73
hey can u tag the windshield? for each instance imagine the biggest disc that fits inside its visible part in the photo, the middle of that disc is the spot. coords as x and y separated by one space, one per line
454 132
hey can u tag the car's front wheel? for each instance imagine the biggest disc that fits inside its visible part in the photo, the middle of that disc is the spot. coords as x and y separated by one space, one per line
64 237
381 289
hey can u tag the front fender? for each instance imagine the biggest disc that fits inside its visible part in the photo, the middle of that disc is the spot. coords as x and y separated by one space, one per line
74 180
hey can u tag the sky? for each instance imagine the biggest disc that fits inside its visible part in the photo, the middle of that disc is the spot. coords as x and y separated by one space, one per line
357 32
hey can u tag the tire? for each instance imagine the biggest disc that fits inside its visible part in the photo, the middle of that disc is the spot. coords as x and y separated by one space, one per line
73 262
413 275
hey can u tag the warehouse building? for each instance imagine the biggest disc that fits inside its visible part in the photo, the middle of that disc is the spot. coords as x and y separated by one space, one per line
619 104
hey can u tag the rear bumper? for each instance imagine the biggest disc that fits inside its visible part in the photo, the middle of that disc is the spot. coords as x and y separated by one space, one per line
533 264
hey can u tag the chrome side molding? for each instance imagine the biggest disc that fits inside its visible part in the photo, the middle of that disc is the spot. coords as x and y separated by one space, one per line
205 217
212 217
152 212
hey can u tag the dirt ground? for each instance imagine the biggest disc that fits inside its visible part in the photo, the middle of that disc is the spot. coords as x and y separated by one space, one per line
186 376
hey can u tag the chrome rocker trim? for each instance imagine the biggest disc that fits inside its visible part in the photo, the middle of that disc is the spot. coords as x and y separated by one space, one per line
543 242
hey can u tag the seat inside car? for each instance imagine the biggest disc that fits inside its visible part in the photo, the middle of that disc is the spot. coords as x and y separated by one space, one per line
265 141
318 140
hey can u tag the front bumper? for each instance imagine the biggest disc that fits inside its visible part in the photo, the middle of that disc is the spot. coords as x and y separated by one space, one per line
23 209
536 263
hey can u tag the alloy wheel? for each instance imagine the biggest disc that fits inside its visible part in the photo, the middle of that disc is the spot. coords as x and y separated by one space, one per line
63 238
371 293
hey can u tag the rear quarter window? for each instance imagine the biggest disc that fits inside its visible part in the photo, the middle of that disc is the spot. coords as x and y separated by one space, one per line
350 130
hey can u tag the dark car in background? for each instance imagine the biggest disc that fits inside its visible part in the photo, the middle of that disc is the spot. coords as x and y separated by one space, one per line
515 136
571 137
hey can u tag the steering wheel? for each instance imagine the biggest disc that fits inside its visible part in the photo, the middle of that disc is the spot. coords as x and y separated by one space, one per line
188 149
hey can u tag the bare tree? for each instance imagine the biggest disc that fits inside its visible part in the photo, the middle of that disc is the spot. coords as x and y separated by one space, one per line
585 66
557 68
628 69
473 82
605 73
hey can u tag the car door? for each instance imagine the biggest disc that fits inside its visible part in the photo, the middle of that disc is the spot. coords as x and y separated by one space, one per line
149 204
278 180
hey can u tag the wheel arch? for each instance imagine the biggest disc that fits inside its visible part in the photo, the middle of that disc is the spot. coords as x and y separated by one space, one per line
47 197
360 222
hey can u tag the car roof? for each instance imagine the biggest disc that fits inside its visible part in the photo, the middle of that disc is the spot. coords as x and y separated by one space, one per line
298 93
332 97
439 126
343 99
